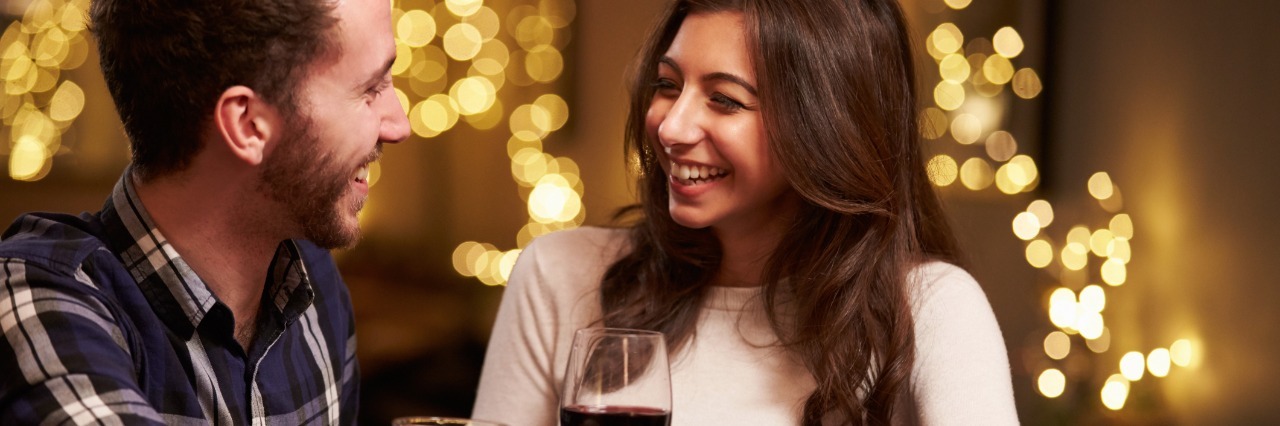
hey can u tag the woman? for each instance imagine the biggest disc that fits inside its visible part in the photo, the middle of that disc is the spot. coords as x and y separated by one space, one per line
788 243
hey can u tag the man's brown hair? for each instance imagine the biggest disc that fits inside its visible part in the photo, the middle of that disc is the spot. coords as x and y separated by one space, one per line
166 62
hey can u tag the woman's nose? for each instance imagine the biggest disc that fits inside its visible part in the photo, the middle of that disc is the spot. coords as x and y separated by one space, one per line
681 124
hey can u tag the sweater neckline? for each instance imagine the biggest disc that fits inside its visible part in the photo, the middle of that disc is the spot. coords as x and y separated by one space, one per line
734 299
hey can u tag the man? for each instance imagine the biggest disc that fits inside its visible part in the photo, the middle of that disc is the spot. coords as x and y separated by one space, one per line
191 298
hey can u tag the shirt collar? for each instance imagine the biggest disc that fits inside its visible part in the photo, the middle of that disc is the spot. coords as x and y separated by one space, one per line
179 296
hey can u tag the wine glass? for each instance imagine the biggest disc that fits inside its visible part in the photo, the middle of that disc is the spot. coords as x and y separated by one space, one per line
440 421
617 377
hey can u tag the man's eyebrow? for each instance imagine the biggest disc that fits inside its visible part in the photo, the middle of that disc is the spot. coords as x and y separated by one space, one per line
379 75
724 76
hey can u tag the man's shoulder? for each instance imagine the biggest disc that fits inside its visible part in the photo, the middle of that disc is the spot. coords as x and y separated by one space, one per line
57 242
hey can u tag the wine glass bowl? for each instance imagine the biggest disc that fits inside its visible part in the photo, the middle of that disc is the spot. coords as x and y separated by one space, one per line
441 421
617 377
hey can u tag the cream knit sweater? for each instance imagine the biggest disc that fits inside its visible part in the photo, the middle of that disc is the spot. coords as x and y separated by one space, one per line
729 374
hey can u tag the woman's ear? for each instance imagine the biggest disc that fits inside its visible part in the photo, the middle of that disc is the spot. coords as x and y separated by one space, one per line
246 123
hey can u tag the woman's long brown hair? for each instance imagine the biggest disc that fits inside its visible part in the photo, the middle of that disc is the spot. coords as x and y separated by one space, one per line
838 99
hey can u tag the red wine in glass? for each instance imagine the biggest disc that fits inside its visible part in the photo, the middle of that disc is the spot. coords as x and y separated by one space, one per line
580 415
617 377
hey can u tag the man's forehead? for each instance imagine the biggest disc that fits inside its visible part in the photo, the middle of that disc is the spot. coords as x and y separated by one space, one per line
361 39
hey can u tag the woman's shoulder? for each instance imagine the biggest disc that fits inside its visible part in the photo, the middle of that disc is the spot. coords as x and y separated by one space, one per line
574 255
934 284
947 302
580 243
935 276
960 351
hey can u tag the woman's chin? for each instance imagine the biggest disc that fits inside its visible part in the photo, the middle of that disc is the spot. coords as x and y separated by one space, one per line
688 220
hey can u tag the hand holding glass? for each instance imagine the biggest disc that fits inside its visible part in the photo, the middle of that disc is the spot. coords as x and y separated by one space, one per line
617 377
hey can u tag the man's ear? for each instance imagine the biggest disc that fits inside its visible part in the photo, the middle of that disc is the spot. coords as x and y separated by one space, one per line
246 123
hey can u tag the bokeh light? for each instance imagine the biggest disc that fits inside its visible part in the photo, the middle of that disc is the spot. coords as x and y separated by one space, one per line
1026 83
28 159
1051 383
38 102
462 41
1115 392
1001 146
966 128
416 28
463 7
1074 256
1079 234
954 68
1114 272
1101 343
976 174
1100 241
997 69
1132 364
473 95
933 123
1007 42
1115 202
947 38
1181 353
1026 226
1093 298
1043 211
544 63
942 170
1062 308
1057 345
1100 186
1122 226
1119 249
1039 253
949 96
1158 362
1089 323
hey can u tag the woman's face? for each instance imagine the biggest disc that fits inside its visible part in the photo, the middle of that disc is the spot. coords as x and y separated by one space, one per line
705 118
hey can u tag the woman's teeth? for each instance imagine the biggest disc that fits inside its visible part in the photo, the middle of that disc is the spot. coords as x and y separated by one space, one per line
696 174
362 175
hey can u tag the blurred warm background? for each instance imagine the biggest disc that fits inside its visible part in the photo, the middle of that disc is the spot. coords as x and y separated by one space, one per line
1110 167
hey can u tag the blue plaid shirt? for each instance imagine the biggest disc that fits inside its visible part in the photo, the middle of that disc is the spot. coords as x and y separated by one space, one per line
104 323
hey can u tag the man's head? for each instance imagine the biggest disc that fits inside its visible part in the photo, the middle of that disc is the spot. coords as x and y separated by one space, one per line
166 62
297 92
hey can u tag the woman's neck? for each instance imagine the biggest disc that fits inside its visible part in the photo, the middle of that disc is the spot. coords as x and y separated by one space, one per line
745 254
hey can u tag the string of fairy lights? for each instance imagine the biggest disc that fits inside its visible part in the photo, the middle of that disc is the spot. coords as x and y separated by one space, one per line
39 102
486 64
969 104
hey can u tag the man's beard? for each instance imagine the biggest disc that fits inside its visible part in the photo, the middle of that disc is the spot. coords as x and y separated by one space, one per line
309 184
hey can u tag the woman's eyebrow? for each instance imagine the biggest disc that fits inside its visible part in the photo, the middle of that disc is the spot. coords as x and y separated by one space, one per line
724 76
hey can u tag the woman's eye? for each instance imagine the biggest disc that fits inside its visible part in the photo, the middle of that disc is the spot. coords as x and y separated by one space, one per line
665 84
726 103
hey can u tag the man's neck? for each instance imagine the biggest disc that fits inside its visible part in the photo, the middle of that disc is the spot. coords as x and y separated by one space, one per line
208 223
